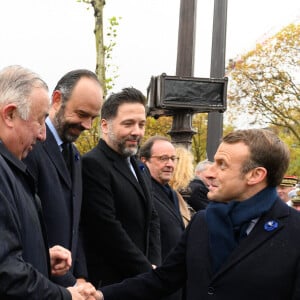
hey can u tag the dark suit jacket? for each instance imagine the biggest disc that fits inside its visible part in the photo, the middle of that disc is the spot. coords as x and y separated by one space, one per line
171 225
61 197
264 266
24 253
198 198
120 224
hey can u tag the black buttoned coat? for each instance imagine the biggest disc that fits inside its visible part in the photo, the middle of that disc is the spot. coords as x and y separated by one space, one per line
120 225
264 266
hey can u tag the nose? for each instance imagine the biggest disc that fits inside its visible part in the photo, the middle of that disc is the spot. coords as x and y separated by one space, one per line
210 172
87 123
170 162
137 130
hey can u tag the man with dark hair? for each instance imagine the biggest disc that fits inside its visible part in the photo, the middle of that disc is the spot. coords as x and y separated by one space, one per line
245 245
56 164
120 224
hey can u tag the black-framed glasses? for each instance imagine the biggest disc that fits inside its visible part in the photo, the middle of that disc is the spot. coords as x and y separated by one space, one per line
166 158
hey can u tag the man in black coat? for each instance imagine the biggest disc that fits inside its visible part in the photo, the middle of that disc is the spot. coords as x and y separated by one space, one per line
246 244
199 186
25 263
120 224
159 155
76 101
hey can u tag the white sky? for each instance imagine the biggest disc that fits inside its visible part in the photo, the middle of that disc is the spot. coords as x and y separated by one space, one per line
52 37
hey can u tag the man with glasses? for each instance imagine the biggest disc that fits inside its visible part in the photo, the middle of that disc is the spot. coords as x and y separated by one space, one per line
159 155
120 224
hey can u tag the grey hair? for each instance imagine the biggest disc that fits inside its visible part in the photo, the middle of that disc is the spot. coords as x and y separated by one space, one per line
202 165
16 85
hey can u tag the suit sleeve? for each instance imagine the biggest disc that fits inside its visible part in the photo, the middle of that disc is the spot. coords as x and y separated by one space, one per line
20 280
154 240
102 225
154 284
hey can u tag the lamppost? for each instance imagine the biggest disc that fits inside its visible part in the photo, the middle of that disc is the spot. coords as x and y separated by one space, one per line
217 69
183 95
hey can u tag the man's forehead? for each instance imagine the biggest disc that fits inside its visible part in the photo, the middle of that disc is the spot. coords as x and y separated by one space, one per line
235 151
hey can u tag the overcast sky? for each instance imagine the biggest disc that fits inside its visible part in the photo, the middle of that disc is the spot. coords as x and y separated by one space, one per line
52 37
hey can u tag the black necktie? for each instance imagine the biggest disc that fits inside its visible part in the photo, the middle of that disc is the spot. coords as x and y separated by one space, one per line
66 152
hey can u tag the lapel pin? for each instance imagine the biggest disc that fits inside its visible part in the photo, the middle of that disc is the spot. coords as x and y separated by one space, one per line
270 225
142 167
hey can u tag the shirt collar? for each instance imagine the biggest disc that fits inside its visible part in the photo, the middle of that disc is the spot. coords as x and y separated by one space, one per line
54 132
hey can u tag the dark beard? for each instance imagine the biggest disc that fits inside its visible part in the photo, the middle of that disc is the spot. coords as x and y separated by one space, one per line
120 145
62 127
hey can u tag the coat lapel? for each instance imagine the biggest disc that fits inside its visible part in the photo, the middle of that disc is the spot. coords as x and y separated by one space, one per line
51 148
121 166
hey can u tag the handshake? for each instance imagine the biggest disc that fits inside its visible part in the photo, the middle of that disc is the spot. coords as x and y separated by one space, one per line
61 261
85 291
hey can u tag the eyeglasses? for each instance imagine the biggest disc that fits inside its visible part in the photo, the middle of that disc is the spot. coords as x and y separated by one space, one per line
166 158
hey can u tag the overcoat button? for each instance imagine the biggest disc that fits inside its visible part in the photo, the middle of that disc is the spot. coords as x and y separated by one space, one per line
210 290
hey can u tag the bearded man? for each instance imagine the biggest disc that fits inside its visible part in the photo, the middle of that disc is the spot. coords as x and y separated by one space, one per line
56 165
120 225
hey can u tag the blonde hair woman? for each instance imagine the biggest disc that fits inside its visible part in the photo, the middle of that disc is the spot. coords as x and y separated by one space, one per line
183 174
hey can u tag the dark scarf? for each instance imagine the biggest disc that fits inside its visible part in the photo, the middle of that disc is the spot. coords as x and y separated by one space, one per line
227 222
172 196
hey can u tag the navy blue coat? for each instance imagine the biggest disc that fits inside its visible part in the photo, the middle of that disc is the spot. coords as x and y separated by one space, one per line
61 198
24 253
120 224
264 266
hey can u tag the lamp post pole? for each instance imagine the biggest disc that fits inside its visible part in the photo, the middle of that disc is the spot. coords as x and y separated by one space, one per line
181 131
217 70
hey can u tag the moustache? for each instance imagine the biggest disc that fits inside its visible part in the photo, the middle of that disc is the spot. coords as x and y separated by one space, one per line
132 138
76 126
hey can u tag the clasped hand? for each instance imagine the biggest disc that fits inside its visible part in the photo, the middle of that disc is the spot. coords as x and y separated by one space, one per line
85 291
60 260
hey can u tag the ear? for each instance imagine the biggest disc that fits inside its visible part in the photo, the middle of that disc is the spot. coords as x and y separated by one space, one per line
8 114
104 126
257 175
56 100
143 159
